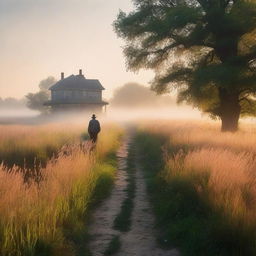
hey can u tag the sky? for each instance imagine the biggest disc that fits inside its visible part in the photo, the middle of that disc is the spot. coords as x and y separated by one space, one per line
41 38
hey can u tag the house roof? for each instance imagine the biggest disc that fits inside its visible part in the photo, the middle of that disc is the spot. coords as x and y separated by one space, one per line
77 82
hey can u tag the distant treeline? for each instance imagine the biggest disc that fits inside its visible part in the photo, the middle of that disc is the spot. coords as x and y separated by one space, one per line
12 103
34 101
137 95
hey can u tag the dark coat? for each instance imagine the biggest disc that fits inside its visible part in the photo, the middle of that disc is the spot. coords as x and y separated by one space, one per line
94 126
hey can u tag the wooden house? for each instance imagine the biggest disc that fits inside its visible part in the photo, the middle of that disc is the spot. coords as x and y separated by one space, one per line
77 93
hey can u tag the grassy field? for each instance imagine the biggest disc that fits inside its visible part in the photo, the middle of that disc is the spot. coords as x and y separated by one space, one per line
26 146
202 185
47 217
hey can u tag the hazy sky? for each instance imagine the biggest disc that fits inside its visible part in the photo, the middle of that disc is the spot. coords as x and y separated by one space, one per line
45 37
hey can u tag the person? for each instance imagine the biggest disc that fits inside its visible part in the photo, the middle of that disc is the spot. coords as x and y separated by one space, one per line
94 129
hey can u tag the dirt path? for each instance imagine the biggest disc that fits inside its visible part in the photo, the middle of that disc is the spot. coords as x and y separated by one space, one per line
140 240
101 227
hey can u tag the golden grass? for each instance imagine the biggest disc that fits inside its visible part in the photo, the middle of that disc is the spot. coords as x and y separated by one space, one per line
33 214
36 136
229 183
205 134
22 145
224 163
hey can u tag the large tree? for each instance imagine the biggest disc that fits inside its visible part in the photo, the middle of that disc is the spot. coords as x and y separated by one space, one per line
205 49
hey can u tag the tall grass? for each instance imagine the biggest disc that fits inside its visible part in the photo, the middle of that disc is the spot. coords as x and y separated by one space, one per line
37 218
228 161
209 188
26 146
205 134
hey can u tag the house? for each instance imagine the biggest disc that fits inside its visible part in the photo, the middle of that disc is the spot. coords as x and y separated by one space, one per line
77 93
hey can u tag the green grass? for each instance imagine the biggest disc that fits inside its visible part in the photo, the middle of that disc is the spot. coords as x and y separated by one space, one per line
122 221
185 219
76 231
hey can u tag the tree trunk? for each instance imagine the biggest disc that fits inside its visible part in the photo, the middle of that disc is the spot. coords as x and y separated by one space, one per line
230 110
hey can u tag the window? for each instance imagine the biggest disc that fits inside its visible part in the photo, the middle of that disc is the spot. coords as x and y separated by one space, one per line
93 94
67 94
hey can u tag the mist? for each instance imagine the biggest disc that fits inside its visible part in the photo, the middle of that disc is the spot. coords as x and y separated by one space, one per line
113 114
152 113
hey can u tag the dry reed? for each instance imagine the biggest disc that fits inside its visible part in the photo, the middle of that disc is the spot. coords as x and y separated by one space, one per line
33 214
226 161
201 134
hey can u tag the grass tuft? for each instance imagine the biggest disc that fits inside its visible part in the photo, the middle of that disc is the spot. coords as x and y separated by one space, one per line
114 246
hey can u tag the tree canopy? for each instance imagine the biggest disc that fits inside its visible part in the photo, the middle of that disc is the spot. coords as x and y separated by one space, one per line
36 100
206 49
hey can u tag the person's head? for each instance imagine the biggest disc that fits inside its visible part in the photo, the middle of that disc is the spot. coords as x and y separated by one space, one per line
93 116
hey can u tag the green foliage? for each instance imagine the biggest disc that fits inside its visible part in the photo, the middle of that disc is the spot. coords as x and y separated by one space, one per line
196 46
104 182
75 230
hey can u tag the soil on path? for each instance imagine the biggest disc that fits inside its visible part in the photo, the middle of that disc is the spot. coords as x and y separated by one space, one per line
140 240
100 229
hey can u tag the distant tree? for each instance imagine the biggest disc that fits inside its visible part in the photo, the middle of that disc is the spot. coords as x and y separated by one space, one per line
45 84
136 95
36 101
12 103
206 49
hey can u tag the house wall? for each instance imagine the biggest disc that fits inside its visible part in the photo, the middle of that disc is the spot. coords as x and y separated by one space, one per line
90 108
69 95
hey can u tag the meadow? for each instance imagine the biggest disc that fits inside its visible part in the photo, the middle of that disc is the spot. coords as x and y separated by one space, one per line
48 216
202 184
26 145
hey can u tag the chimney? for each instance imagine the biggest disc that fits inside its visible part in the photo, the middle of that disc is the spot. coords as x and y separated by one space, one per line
80 72
62 75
